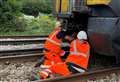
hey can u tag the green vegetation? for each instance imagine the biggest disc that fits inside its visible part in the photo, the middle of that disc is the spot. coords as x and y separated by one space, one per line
41 25
33 7
9 13
14 22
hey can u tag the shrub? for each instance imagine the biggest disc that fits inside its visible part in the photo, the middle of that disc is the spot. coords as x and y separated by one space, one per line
9 16
33 7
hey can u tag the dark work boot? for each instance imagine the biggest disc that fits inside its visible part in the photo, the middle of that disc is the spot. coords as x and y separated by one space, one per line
34 77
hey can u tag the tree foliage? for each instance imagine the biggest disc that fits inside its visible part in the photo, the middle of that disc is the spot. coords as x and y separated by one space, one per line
11 13
33 7
9 16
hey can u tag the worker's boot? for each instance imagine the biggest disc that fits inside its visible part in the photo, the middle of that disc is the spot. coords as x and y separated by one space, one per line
34 76
75 68
45 74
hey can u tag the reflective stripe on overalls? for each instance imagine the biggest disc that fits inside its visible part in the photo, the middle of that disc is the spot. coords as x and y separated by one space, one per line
78 52
52 50
52 41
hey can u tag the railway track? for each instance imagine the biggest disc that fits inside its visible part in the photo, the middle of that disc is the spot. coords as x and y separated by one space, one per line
86 77
20 53
18 43
26 58
22 36
17 68
15 40
89 76
21 50
17 61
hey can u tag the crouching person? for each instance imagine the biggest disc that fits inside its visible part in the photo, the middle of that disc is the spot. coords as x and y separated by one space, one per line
52 47
52 61
78 58
76 62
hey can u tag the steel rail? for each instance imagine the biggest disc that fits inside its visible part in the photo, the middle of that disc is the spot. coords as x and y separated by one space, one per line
20 52
6 53
22 40
37 52
10 53
83 77
21 56
18 37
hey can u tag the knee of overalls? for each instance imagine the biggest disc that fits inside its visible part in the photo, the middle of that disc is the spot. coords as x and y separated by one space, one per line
46 73
47 62
53 57
61 69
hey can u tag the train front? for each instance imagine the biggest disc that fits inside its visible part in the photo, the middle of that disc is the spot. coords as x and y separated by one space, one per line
100 18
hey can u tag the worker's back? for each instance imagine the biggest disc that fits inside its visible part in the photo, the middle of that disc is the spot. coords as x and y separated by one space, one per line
79 53
53 43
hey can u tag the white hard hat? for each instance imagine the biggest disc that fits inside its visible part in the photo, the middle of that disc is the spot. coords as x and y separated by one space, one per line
58 24
82 35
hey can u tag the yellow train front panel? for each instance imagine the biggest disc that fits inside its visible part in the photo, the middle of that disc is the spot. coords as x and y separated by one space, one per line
62 6
98 2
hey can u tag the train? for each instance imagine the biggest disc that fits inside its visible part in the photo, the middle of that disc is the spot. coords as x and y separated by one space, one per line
99 18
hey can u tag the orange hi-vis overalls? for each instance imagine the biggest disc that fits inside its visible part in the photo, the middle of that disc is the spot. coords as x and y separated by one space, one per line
53 63
53 50
79 54
58 68
61 69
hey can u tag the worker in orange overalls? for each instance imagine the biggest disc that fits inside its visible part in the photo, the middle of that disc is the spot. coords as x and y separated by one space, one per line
53 53
52 47
78 58
76 62
58 69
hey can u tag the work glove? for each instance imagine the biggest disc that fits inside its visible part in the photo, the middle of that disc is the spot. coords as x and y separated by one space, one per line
61 34
65 45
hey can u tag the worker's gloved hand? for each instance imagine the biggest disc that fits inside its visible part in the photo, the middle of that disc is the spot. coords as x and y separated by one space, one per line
65 44
63 53
61 34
